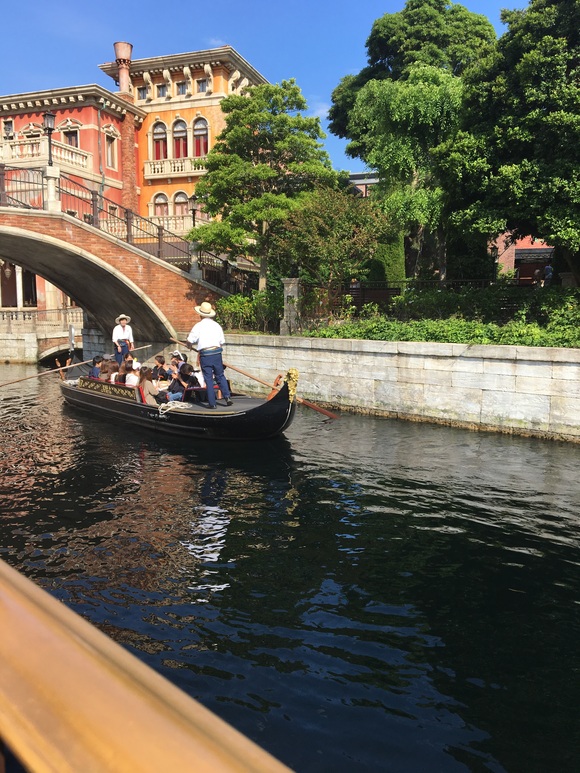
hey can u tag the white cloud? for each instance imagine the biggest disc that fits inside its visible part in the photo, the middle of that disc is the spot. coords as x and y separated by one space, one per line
319 110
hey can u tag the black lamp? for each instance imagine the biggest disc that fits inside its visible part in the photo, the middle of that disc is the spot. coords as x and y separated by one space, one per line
48 123
193 206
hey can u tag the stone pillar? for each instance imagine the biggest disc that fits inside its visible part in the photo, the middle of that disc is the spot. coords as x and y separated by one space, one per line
289 323
19 290
51 177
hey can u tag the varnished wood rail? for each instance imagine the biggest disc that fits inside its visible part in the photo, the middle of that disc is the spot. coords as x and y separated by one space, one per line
73 700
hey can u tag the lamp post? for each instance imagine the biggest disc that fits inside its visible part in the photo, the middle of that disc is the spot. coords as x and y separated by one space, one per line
48 123
193 207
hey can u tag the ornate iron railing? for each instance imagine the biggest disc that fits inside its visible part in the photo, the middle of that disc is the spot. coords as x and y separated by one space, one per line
109 216
21 187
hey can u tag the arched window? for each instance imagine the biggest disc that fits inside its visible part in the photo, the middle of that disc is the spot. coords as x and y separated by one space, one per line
159 141
181 204
180 139
200 137
161 205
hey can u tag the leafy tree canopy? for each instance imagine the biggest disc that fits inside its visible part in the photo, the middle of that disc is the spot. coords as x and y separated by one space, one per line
405 120
518 160
431 32
332 237
264 161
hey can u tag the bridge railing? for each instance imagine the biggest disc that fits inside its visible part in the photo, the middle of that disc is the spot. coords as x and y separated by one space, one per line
21 187
109 216
29 189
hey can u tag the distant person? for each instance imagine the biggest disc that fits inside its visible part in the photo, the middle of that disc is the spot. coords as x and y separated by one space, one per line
159 372
548 274
122 337
95 371
209 339
150 391
183 379
113 371
131 374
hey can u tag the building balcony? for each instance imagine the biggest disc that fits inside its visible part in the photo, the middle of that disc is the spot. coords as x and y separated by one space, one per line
179 224
33 151
174 167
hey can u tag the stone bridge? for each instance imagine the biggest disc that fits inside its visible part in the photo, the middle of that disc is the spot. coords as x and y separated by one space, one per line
104 275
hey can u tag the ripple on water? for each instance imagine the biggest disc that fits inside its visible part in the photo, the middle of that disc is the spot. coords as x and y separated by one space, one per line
367 595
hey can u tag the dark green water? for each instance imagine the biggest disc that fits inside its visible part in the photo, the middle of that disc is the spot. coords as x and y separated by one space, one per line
367 595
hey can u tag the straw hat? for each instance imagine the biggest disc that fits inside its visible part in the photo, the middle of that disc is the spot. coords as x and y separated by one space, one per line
205 310
122 316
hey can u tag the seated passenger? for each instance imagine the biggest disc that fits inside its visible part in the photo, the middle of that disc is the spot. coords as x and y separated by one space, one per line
150 391
178 359
113 371
104 371
131 375
95 371
183 379
125 365
159 371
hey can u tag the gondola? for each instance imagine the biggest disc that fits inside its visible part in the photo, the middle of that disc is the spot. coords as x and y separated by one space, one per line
249 418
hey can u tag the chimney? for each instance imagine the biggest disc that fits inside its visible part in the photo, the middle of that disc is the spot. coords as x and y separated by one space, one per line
123 60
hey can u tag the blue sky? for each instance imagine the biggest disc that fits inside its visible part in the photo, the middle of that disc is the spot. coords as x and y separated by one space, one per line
317 42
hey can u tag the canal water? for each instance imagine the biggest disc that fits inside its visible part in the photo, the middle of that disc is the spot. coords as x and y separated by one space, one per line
364 595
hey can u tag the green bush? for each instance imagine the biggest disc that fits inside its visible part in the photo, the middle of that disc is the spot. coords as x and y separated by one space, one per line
262 311
497 315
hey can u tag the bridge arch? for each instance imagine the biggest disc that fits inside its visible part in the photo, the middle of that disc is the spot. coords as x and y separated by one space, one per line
102 274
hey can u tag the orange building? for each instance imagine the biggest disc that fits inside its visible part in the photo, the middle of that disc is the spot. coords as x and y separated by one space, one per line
180 96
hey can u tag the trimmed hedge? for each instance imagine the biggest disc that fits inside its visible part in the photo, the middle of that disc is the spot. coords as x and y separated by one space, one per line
497 315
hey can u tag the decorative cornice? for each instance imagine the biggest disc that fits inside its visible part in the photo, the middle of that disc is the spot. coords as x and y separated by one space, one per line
53 99
226 57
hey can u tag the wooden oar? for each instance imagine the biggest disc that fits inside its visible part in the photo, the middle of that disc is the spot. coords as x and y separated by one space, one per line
300 400
61 368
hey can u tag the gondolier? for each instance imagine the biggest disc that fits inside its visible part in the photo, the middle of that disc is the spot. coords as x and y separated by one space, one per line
209 338
122 337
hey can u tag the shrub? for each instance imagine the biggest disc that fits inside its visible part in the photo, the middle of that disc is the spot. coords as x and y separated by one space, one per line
261 311
498 315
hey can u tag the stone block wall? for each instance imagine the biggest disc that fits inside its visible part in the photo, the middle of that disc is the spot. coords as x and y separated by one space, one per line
18 346
517 389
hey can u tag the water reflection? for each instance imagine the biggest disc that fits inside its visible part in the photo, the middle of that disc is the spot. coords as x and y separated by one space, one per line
365 595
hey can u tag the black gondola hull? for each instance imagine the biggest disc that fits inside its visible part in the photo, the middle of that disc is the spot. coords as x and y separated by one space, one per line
249 418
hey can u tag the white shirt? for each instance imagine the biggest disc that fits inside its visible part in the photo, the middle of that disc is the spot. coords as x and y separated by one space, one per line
132 379
121 334
206 334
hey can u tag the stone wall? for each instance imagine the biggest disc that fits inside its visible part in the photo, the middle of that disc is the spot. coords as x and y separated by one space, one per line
517 389
18 346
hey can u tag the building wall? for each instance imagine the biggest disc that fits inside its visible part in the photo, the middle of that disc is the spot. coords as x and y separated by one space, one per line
514 389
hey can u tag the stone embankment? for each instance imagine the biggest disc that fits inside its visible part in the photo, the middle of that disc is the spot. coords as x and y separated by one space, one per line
513 389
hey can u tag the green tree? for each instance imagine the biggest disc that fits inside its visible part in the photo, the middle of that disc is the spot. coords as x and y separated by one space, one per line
516 166
333 237
406 119
266 159
431 32
404 104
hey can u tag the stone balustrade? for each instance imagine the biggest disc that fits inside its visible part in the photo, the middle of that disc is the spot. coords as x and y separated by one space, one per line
174 167
35 149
